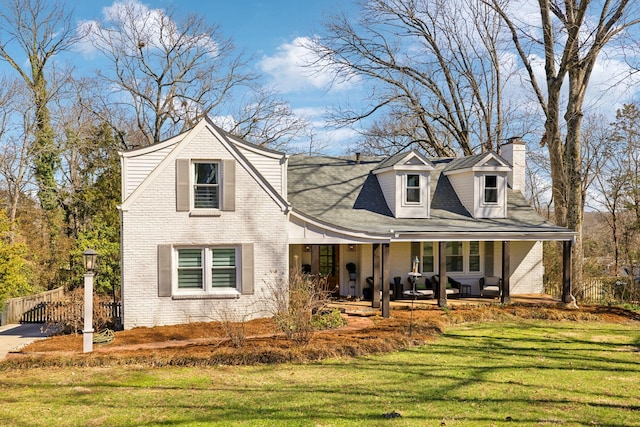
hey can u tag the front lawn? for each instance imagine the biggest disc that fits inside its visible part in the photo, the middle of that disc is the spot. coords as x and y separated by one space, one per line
498 373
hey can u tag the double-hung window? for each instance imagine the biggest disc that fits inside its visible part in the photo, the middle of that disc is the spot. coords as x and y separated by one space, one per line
455 257
413 189
207 269
206 185
474 256
463 257
428 263
223 268
490 189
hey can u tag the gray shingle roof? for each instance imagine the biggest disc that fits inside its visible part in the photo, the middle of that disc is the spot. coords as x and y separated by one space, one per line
346 194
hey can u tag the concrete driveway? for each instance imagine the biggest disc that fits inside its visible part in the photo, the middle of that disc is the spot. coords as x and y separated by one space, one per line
14 337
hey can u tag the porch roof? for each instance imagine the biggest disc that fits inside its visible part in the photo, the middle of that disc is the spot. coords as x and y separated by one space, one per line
342 193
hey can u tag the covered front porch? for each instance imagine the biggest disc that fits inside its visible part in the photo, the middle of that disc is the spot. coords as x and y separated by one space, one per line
369 273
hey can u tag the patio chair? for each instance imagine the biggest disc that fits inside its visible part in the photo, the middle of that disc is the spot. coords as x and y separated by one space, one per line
490 286
367 293
453 286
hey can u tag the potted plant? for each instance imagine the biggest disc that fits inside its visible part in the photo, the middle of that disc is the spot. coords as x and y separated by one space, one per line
351 268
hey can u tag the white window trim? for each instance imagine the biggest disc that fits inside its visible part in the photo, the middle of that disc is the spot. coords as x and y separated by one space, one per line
466 255
207 289
192 184
498 188
435 259
405 188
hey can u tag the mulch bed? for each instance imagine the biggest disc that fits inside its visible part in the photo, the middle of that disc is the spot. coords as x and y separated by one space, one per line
200 344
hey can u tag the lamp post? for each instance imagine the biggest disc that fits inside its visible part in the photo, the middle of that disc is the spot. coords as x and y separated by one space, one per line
90 257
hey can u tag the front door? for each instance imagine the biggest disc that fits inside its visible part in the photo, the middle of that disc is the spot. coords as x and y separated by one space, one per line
328 264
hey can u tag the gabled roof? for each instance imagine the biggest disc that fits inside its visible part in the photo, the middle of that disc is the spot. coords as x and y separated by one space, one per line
484 161
342 193
175 145
404 160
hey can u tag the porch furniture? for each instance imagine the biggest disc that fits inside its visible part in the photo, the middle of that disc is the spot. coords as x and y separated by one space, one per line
367 293
397 288
465 290
490 286
453 286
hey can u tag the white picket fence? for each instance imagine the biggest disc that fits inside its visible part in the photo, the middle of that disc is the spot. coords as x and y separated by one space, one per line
17 306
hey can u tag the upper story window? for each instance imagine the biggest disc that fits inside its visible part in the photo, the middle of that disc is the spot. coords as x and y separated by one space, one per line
490 189
413 189
206 186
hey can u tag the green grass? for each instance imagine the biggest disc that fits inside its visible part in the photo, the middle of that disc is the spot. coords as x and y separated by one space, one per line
516 374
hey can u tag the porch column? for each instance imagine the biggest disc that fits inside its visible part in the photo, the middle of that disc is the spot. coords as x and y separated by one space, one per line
375 291
441 287
385 280
506 273
566 271
315 260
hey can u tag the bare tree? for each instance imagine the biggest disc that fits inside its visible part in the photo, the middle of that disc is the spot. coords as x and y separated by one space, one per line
267 120
39 29
171 71
168 72
570 36
436 70
16 134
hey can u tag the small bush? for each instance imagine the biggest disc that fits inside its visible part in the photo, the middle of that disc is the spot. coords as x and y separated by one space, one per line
328 319
297 301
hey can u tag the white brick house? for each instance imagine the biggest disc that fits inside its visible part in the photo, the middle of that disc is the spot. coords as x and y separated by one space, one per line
211 223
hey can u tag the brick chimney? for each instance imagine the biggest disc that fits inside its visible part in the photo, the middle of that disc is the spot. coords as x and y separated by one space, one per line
514 151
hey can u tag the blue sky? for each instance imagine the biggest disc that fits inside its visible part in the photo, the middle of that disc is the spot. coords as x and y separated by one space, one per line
260 25
269 31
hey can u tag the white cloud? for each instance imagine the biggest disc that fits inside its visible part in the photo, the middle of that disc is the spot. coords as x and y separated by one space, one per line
129 24
291 70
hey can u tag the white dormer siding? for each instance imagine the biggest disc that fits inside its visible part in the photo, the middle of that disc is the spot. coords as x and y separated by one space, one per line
481 184
405 180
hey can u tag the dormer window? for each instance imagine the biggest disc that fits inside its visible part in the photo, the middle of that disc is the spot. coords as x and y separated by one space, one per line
405 181
206 191
491 189
413 189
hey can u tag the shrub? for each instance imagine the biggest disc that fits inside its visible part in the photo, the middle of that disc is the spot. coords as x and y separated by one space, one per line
297 301
327 319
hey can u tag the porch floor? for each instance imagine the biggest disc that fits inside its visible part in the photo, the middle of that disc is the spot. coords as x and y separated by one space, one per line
364 307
